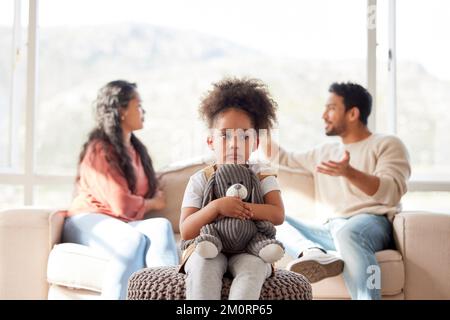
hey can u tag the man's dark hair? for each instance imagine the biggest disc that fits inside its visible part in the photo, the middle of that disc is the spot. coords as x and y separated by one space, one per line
249 95
354 95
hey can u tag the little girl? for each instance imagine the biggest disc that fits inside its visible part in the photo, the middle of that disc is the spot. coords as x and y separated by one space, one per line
234 110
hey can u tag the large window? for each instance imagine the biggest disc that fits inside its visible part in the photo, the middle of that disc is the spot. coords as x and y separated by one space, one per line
175 55
415 106
13 38
413 75
423 95
6 42
175 49
423 87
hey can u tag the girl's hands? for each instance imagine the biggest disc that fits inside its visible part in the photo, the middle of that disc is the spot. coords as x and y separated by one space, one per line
233 207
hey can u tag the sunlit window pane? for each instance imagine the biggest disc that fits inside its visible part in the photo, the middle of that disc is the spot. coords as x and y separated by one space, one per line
53 195
424 85
13 54
10 196
297 47
6 41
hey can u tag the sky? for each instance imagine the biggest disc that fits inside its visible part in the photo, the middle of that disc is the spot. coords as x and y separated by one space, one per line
306 29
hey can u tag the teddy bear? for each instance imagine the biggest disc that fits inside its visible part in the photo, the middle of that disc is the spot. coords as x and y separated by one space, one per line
235 235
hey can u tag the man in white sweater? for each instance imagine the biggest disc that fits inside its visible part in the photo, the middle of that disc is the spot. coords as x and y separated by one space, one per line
359 182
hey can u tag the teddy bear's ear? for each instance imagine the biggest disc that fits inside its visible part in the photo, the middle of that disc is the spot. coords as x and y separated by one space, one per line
256 194
208 194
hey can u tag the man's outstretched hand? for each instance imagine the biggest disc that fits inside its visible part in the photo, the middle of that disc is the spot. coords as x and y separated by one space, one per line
336 169
367 183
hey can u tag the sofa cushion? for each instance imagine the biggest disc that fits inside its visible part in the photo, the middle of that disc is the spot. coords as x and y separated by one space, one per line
64 293
24 248
297 193
392 279
76 266
173 181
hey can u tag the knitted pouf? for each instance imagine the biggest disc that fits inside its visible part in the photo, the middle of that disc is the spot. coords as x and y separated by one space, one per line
165 283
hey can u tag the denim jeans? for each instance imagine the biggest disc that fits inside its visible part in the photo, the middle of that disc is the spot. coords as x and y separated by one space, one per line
130 246
356 239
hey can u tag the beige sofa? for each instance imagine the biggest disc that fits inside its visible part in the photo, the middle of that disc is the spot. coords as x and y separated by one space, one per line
35 266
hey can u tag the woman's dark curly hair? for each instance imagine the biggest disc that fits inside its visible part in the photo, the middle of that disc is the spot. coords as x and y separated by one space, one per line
113 97
249 95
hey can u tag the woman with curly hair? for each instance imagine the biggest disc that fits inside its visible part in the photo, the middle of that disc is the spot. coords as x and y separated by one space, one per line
116 187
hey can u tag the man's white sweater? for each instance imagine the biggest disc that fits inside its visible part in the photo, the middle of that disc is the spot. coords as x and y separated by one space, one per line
384 156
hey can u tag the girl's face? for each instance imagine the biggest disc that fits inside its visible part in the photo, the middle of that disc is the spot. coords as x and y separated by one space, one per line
132 118
232 137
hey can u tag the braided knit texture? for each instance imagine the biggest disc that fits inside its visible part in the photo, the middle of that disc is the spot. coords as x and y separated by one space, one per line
165 283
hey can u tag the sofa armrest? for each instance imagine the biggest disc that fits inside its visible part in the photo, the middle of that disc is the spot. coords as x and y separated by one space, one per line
26 237
56 222
423 240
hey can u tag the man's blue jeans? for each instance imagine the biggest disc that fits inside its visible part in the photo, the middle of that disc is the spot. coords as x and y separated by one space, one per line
356 239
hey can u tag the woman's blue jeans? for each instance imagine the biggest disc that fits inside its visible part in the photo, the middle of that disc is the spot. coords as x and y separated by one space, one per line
130 246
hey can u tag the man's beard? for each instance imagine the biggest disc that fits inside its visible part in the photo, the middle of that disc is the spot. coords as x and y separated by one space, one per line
336 131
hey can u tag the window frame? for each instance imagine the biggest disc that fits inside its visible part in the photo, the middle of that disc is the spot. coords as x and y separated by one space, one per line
29 179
